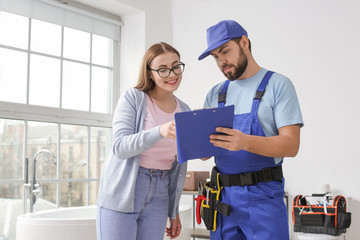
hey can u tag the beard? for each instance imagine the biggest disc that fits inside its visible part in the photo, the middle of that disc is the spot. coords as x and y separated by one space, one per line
239 68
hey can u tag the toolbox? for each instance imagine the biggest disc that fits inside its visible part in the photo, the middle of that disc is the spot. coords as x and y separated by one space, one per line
320 213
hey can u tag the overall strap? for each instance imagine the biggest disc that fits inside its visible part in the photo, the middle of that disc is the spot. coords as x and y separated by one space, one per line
260 91
222 94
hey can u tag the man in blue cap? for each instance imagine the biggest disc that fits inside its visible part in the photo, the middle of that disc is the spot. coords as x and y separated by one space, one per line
266 129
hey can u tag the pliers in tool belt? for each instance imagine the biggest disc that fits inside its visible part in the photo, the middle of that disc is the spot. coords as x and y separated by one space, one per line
201 197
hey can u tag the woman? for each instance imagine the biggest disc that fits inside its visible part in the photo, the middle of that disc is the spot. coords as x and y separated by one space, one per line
141 182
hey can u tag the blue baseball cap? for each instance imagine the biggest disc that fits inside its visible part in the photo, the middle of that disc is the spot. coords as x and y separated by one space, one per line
221 33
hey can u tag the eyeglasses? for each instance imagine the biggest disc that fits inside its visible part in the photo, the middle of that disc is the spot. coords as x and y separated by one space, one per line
165 72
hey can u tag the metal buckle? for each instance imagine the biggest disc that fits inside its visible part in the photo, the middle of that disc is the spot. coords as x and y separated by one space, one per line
222 97
267 175
259 95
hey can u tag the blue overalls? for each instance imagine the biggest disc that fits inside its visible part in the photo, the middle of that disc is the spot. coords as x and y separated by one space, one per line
258 212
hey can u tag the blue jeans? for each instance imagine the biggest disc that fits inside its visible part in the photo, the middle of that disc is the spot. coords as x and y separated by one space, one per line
148 221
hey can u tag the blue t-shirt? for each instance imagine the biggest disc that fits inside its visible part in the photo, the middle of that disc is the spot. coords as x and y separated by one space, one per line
279 106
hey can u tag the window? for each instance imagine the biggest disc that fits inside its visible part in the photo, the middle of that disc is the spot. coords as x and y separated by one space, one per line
64 64
58 78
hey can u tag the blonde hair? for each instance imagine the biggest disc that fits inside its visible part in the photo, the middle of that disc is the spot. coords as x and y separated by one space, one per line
145 83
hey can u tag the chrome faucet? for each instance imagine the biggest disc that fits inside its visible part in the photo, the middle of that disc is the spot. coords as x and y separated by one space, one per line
35 189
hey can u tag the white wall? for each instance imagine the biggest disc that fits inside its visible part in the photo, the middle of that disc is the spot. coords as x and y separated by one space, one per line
132 48
314 43
150 24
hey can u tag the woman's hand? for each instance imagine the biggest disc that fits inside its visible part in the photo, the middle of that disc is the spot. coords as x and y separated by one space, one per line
175 227
168 130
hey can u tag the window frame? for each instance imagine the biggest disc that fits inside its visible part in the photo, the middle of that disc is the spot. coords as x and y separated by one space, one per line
58 115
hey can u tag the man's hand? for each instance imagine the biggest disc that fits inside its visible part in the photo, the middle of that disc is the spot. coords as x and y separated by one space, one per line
175 227
234 140
286 144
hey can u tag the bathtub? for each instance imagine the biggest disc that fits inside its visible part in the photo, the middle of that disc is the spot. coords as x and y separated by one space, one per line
75 223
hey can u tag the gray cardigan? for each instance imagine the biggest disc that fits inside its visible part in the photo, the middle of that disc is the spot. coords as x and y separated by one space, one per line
118 179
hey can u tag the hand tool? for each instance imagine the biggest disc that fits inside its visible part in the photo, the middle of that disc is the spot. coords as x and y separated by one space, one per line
199 200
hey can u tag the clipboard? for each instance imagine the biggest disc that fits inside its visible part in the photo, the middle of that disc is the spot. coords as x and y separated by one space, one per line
193 129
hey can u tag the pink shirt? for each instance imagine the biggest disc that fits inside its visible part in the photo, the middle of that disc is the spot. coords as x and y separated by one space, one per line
161 154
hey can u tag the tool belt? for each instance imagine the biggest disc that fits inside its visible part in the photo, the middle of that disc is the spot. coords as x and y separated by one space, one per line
208 201
252 178
320 213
